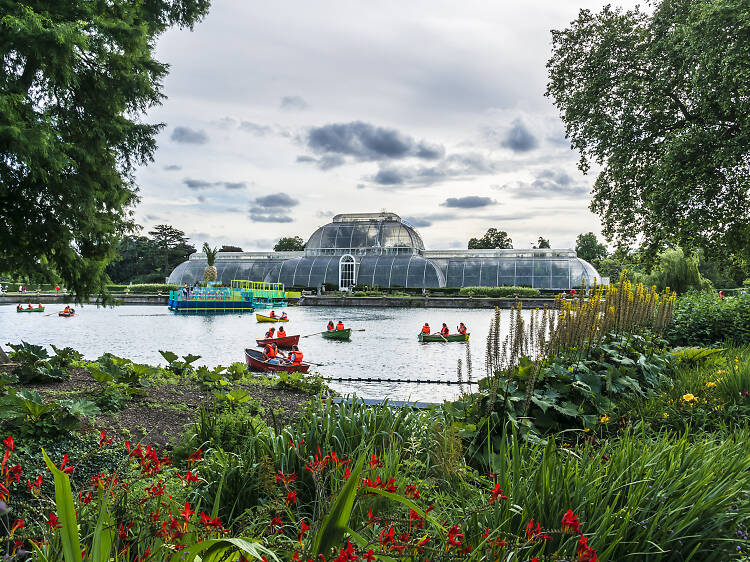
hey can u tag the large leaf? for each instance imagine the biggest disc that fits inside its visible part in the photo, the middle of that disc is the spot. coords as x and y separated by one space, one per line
104 533
217 549
335 523
66 512
169 357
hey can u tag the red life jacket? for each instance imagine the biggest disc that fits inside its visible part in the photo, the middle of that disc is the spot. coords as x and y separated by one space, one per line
462 329
269 333
283 314
270 351
445 331
272 315
295 357
281 333
426 329
330 325
339 326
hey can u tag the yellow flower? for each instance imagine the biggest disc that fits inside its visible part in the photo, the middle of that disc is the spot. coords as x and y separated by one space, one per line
710 384
586 430
689 398
666 415
604 419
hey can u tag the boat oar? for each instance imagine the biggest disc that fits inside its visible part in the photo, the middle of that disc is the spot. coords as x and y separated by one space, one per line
315 334
444 338
311 363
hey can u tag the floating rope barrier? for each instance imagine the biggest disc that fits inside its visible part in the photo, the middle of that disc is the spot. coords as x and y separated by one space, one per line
377 379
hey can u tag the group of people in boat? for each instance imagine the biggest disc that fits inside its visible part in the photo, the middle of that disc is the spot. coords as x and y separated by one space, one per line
20 307
331 327
273 333
272 314
272 354
444 330
68 310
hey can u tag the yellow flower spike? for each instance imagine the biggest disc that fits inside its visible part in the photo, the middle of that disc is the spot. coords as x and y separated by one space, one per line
710 384
604 419
666 415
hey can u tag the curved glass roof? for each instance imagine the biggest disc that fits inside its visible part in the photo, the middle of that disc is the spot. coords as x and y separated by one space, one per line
364 234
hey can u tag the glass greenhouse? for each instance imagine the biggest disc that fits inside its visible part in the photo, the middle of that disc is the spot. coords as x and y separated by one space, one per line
380 249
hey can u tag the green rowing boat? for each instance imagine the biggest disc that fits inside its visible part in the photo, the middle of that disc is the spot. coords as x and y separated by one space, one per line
438 337
341 335
35 309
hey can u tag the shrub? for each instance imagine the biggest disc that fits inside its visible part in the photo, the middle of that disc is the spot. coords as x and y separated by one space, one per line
143 288
499 292
702 318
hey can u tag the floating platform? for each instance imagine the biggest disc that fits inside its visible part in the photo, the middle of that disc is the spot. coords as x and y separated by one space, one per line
241 296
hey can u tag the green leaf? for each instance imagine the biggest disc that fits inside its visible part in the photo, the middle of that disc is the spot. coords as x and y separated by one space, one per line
66 512
104 532
169 357
217 549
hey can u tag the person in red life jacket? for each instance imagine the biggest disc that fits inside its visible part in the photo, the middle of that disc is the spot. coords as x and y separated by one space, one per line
283 316
721 295
444 331
273 314
39 305
57 289
572 293
330 325
462 329
29 307
426 329
281 333
67 310
339 326
270 333
19 307
270 351
295 356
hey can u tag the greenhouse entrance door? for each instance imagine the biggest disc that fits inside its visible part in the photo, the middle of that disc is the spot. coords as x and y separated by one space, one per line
347 272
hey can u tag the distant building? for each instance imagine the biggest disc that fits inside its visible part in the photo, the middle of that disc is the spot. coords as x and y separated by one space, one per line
380 249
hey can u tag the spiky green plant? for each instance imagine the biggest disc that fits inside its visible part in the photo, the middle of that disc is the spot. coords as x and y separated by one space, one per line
210 273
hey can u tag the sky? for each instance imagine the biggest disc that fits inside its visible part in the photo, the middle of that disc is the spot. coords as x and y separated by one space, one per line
279 115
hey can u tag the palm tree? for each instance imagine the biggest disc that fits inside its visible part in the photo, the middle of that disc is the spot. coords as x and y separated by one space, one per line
210 273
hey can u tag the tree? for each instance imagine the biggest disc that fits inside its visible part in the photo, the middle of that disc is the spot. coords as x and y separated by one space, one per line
493 238
590 249
660 102
210 273
77 78
230 249
542 243
166 238
289 244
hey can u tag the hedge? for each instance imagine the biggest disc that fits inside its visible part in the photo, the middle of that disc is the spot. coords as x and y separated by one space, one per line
499 292
143 288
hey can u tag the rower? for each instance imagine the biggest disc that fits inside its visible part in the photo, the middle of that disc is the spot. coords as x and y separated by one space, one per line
444 331
270 351
283 316
339 326
330 325
19 307
295 356
30 307
281 333
273 314
39 305
426 329
462 329
269 333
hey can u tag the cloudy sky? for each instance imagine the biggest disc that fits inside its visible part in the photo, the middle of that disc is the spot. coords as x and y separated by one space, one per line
279 115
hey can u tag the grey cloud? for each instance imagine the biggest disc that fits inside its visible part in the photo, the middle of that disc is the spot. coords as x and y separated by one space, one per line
331 161
548 183
418 222
324 214
198 184
519 138
172 167
389 176
304 158
152 217
293 102
468 202
275 200
364 141
201 199
232 210
235 184
261 214
254 128
432 218
225 123
453 167
187 135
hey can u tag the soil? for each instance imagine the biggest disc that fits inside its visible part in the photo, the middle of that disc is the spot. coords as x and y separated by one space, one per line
161 413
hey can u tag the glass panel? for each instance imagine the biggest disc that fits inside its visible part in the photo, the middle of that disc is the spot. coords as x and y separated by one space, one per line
454 276
523 268
523 281
344 237
318 275
328 237
366 270
488 277
383 271
431 278
415 268
302 273
471 273
332 270
398 272
314 241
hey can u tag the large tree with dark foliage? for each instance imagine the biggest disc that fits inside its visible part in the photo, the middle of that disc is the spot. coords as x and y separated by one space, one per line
289 244
76 78
660 101
590 249
168 238
493 238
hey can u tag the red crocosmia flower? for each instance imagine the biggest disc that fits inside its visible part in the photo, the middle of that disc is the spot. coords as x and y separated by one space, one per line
186 513
291 497
426 511
584 551
191 478
535 559
35 486
486 533
285 479
375 461
454 536
424 541
17 524
411 490
296 556
571 523
276 522
9 443
123 531
347 554
387 535
195 457
415 519
347 473
54 522
4 492
496 494
370 556
66 469
103 439
304 527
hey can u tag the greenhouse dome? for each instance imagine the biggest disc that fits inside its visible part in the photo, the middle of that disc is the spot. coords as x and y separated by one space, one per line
380 249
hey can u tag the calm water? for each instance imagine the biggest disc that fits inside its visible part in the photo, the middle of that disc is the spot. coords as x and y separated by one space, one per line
388 348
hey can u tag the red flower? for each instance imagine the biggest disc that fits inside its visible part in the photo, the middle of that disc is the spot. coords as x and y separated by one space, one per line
17 524
123 531
103 439
370 556
375 461
496 493
455 536
276 522
9 443
571 523
304 527
54 522
35 486
187 512
411 490
347 554
584 551
189 478
195 457
347 473
285 479
67 470
291 497
387 535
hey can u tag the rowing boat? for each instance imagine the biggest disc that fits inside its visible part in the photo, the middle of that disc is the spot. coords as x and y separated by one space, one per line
262 318
437 337
37 309
255 361
67 314
338 334
284 343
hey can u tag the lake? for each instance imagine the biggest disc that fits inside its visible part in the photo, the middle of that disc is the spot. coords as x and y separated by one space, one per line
388 348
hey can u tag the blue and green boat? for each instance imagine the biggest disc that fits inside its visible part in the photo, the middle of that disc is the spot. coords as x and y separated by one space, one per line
240 296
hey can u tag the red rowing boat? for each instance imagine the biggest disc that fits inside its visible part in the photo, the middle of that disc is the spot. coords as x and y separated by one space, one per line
284 343
254 360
